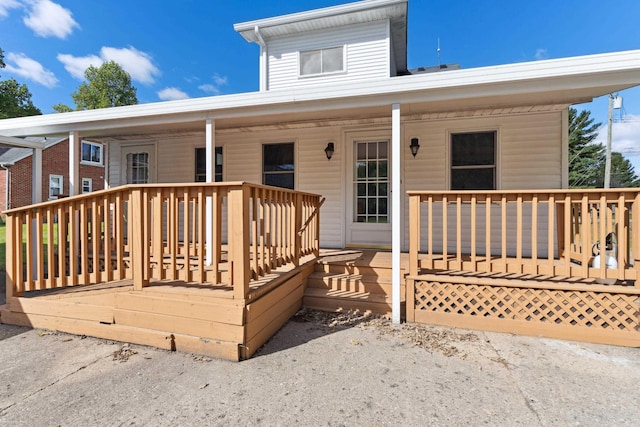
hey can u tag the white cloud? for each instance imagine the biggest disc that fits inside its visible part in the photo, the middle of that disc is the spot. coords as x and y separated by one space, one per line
134 62
138 64
214 88
30 69
77 65
6 5
172 94
625 135
49 19
541 54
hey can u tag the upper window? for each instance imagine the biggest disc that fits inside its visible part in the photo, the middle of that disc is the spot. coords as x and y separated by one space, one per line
91 153
277 165
201 165
56 186
322 61
473 161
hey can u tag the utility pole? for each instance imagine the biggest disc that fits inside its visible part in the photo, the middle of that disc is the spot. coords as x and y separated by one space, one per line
614 102
607 163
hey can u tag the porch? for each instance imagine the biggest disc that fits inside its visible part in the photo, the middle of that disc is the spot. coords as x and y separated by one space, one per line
513 261
558 263
210 268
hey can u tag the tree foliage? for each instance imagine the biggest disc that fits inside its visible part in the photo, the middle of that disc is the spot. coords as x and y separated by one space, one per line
587 158
105 86
15 98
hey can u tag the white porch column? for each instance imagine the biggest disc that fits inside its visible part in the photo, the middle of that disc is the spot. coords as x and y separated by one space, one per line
396 212
210 144
36 176
74 163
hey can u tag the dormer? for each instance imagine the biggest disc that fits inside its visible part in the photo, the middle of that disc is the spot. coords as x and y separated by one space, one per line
354 41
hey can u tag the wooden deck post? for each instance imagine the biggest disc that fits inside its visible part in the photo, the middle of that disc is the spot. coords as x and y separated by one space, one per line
297 212
138 255
238 241
11 247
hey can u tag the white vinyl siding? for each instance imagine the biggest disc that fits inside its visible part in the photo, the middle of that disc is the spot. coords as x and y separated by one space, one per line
529 156
367 55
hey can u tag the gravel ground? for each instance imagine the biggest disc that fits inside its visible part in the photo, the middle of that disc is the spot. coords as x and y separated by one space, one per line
321 369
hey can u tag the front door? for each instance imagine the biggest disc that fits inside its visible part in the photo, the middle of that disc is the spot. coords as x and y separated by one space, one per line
138 164
369 198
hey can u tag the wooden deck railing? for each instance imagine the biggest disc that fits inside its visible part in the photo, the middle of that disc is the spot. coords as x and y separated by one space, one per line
159 231
532 232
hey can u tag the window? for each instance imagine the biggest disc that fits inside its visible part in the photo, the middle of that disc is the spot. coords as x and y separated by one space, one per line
56 186
371 181
87 185
322 61
91 153
201 165
137 168
473 161
277 165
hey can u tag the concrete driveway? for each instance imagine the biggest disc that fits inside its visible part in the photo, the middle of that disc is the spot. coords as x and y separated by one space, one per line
321 370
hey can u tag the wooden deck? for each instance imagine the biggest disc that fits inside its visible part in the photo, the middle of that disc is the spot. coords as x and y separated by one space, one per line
175 315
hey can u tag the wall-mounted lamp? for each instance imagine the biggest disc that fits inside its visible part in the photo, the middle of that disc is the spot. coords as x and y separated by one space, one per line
415 146
329 150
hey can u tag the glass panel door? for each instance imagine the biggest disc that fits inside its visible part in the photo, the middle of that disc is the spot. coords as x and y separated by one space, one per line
371 182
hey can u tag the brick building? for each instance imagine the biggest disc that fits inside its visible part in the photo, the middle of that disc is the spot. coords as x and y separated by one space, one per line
16 172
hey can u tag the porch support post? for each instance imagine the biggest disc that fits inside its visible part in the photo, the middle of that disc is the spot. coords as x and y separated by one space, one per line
396 215
210 152
36 176
74 163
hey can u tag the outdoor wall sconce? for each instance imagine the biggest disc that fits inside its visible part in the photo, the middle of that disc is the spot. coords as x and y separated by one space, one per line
329 150
415 146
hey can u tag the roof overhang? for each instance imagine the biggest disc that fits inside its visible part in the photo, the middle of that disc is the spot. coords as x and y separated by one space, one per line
551 82
19 142
330 17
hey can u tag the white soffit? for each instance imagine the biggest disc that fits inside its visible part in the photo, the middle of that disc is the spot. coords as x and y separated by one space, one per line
559 80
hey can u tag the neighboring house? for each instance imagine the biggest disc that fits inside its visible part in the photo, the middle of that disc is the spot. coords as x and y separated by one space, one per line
339 114
16 171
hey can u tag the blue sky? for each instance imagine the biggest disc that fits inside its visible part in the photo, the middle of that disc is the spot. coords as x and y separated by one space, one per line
187 48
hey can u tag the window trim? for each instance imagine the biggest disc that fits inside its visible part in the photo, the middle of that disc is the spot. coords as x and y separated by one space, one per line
60 178
90 182
496 150
89 162
330 73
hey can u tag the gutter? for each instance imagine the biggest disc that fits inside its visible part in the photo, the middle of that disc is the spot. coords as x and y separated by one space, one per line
5 166
264 59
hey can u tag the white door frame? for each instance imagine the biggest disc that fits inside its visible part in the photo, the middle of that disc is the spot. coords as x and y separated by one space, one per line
381 234
149 147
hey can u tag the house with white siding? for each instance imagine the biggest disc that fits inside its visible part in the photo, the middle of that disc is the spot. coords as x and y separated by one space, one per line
465 170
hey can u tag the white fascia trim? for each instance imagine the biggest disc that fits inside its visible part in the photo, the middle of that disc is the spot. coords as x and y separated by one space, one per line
593 71
19 142
246 28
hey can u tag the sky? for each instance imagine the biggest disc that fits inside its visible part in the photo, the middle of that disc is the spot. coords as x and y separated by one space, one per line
188 48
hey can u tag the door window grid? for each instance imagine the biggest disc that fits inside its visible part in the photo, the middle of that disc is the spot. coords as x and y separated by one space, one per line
371 182
137 168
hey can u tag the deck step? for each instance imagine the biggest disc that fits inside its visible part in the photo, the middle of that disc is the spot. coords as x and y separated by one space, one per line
338 300
350 282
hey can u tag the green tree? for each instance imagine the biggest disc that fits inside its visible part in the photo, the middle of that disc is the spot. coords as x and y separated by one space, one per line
62 108
587 158
106 86
584 155
15 98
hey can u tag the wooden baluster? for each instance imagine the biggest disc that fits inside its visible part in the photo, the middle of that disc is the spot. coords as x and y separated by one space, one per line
39 234
585 229
13 248
519 224
534 233
414 234
474 261
458 232
51 261
487 233
503 213
445 233
602 226
107 275
430 212
63 245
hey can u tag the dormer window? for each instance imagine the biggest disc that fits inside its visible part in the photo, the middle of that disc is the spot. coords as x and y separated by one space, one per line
322 61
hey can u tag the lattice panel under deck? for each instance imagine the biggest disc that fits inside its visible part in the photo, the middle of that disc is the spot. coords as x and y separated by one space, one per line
562 307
